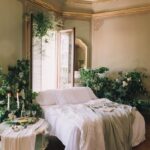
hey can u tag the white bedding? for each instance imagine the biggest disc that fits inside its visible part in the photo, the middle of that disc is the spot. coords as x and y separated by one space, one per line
80 129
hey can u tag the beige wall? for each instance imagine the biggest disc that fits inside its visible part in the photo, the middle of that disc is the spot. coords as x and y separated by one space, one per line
122 43
83 31
10 32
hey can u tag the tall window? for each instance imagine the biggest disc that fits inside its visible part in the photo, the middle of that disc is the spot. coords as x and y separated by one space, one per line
44 62
53 60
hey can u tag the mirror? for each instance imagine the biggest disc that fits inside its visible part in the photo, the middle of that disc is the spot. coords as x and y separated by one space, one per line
81 59
80 54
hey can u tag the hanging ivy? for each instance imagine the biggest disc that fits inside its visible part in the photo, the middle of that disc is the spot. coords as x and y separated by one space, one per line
43 22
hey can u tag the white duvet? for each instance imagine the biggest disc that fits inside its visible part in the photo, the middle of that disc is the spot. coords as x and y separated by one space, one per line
79 128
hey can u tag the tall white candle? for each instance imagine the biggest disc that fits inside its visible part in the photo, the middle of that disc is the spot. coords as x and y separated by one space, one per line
8 101
18 104
23 94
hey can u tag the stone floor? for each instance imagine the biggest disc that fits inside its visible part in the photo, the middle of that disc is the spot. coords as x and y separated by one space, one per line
55 144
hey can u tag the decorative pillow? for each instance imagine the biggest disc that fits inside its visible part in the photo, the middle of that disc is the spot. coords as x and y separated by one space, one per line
48 97
75 95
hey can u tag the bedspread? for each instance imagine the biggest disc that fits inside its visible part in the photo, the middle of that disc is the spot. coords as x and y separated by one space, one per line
80 127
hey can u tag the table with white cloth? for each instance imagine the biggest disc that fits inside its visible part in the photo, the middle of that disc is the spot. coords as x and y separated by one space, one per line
25 139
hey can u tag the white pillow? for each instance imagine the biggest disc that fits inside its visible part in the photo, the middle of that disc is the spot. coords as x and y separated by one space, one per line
75 95
47 97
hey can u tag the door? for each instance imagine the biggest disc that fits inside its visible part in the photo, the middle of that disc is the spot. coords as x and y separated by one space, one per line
53 60
66 58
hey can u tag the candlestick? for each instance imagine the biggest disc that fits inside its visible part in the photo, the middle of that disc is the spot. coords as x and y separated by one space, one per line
8 101
18 104
23 94
23 110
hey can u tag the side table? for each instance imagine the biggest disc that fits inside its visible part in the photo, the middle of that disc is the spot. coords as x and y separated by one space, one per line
23 139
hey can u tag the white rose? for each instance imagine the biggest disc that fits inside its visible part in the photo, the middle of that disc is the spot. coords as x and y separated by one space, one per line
124 83
21 74
117 80
129 79
101 75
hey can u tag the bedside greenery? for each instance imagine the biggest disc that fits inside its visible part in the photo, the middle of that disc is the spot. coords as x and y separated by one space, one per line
92 78
127 88
17 80
3 86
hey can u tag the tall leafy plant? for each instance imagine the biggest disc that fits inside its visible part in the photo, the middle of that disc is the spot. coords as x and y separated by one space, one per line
3 86
17 80
129 87
18 76
96 80
126 88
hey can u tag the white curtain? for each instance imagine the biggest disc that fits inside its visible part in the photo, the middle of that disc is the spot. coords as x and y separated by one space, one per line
44 62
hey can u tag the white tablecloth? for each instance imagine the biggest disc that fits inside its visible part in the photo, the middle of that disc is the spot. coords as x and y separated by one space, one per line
22 140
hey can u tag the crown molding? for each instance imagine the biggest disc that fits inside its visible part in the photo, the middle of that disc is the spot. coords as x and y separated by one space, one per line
88 1
89 16
45 5
82 2
77 15
124 12
116 13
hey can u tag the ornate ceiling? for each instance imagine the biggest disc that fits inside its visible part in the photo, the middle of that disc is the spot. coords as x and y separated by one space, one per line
84 1
94 6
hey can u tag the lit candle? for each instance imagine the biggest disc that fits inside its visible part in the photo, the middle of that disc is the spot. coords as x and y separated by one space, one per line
18 104
8 101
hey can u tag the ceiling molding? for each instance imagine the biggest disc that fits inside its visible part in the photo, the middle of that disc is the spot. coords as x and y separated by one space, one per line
45 5
88 16
77 15
124 12
116 13
83 1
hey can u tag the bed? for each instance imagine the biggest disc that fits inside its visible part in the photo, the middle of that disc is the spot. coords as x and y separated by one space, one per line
81 121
